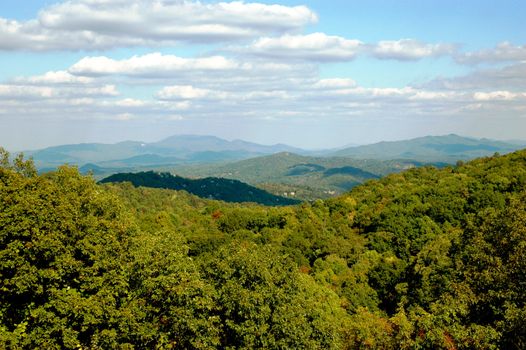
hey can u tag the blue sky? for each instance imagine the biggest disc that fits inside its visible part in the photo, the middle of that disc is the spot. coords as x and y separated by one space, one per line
314 74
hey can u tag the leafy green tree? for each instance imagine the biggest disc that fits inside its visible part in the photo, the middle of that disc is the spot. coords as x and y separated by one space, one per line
264 302
170 305
63 253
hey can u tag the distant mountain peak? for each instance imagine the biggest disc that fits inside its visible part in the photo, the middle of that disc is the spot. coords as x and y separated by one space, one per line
176 149
447 148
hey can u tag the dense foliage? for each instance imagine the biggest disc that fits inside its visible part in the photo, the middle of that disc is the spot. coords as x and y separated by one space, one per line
425 259
210 187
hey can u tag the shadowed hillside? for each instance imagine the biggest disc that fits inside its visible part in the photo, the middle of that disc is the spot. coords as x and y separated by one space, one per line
212 188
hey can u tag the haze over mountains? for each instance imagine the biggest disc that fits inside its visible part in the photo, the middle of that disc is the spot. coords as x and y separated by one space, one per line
447 148
194 149
179 149
279 169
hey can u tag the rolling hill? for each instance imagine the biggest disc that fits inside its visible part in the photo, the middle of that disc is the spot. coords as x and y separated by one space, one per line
278 169
299 176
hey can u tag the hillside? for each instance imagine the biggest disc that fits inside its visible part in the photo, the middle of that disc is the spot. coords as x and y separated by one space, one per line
425 259
306 177
212 188
449 148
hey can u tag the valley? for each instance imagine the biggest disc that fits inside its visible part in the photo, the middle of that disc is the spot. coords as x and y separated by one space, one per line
279 169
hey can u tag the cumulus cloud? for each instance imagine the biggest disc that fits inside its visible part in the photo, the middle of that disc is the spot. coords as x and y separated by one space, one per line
320 47
94 24
312 47
244 89
409 49
188 92
55 85
333 98
503 52
55 77
217 72
150 65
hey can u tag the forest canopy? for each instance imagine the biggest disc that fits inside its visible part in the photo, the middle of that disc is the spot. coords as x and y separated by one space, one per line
427 259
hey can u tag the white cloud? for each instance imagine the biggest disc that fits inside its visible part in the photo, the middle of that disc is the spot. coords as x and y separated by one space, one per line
244 89
94 25
265 95
334 83
384 92
151 65
130 102
503 52
187 92
57 77
498 96
328 98
25 92
409 49
213 73
320 47
310 47
424 95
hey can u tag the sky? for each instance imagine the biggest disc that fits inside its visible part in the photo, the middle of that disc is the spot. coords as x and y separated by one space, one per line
312 74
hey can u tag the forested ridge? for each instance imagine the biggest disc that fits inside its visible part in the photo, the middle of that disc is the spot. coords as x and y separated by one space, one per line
227 190
425 259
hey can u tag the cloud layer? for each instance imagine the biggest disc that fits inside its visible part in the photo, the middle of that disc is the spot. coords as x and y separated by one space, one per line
503 52
320 47
99 24
311 47
410 50
187 89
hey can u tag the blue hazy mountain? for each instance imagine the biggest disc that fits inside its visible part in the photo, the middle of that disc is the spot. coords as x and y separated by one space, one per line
182 150
448 148
179 149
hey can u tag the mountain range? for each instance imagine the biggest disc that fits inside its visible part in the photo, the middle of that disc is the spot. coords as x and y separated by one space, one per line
280 169
447 148
195 149
179 149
